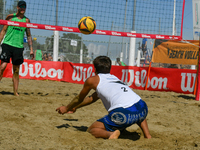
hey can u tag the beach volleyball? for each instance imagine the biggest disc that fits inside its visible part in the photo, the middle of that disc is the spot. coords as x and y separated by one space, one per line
87 25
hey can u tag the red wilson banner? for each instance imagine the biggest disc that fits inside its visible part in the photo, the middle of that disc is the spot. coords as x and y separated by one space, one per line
160 79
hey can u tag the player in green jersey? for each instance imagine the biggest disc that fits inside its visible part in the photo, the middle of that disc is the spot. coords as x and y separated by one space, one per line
12 44
38 53
120 63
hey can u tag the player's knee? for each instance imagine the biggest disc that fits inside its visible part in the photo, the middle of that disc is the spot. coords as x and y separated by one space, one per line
2 68
16 71
91 131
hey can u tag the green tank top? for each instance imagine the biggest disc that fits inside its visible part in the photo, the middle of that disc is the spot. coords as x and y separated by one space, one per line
15 35
38 54
123 64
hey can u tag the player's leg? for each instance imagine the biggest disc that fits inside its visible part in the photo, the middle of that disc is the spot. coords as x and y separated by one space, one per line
142 50
143 125
15 79
140 109
97 129
17 60
2 68
5 58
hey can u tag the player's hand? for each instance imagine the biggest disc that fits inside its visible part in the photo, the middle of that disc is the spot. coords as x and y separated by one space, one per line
62 109
32 56
72 111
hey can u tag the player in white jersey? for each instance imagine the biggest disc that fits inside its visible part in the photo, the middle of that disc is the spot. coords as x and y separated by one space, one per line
124 106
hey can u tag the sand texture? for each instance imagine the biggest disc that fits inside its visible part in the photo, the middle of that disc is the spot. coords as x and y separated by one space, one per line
30 122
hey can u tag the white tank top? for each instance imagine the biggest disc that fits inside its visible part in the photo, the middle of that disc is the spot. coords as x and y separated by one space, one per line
114 93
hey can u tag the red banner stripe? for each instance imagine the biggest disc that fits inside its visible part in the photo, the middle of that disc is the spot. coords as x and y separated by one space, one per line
99 32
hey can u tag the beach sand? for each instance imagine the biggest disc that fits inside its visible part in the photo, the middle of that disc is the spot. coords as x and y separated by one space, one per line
30 122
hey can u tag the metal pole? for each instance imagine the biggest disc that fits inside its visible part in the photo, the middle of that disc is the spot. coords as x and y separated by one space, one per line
56 37
124 30
132 40
109 41
134 10
4 9
56 12
174 18
81 51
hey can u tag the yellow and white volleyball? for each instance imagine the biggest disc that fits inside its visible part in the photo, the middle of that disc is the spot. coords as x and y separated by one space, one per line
34 39
87 25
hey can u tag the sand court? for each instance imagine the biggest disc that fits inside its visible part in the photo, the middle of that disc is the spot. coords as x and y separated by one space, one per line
31 122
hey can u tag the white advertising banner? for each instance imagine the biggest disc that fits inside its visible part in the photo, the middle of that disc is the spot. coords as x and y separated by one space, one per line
196 19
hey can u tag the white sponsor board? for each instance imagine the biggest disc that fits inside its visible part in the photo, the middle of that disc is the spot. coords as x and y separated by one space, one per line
73 42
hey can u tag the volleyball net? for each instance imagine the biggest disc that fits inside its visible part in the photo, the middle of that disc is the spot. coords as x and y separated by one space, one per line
117 22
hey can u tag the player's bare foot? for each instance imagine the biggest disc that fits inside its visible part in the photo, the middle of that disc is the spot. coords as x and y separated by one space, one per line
148 136
115 134
16 94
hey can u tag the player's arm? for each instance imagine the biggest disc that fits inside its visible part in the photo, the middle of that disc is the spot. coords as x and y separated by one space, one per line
88 100
145 44
88 85
29 38
3 31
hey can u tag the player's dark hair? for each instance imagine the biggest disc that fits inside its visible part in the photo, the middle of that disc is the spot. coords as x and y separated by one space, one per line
102 64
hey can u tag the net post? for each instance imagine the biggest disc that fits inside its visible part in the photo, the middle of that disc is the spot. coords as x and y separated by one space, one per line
81 50
121 56
197 94
132 50
183 9
81 56
138 58
55 45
